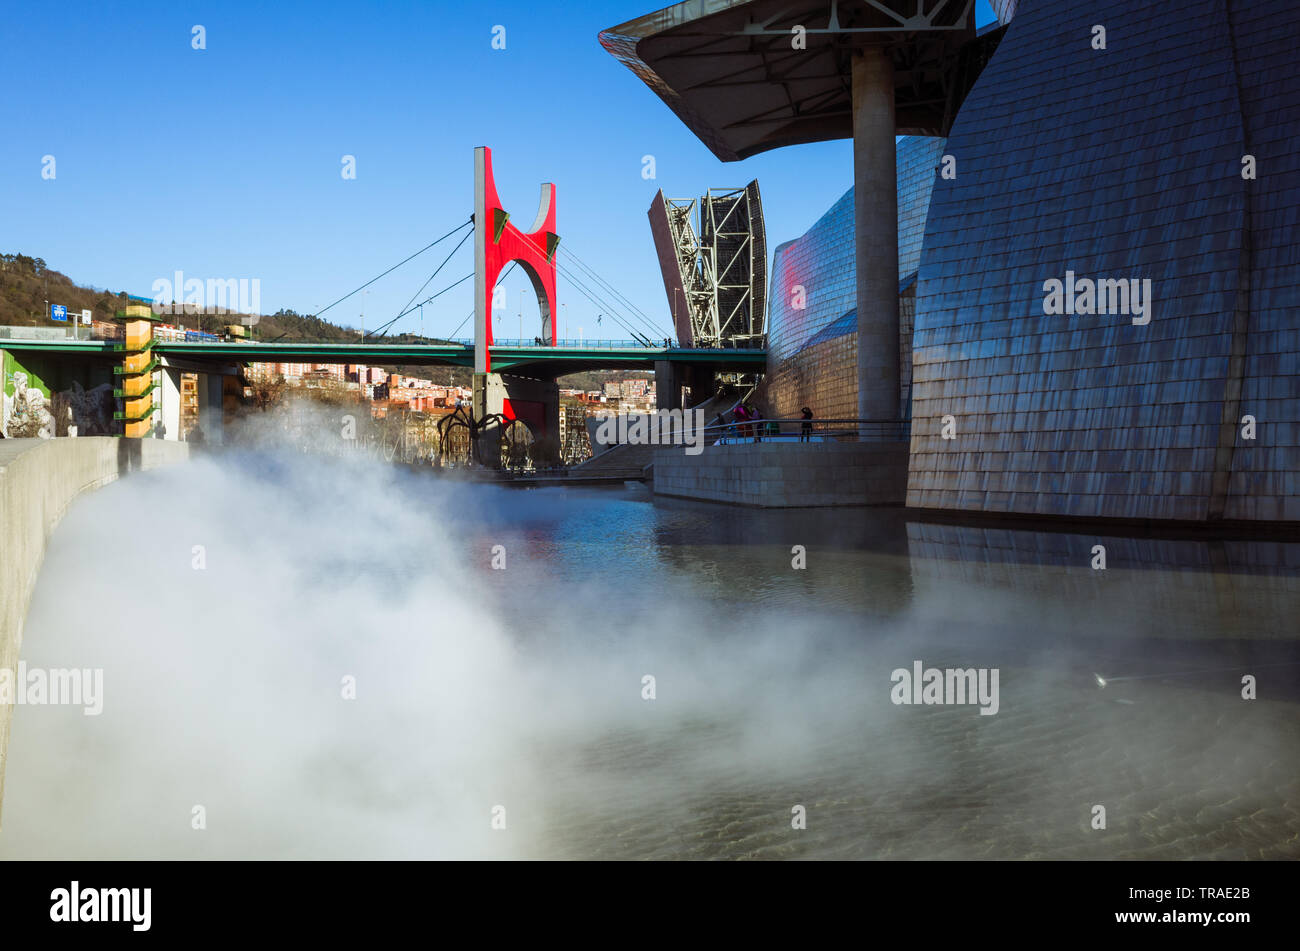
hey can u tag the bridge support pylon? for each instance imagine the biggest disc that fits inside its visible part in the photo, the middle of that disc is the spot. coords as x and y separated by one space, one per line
497 243
535 403
668 385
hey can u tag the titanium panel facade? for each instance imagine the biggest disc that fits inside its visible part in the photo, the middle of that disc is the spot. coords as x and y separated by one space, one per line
812 351
1265 480
1004 10
1121 163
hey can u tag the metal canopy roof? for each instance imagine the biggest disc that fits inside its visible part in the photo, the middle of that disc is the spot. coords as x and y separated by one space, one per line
729 69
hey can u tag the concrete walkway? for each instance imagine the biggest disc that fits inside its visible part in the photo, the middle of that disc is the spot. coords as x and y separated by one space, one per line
772 474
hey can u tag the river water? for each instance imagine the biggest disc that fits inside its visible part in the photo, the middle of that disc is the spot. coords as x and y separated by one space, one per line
308 658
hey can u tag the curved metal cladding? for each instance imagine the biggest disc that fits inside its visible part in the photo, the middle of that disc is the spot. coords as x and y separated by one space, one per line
1004 10
1265 479
812 350
1122 163
818 265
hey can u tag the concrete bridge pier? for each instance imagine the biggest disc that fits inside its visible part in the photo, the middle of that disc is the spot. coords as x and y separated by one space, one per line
535 403
170 409
668 385
670 377
212 411
218 396
703 383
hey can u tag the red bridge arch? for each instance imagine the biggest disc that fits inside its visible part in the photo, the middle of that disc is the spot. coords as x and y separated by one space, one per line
497 242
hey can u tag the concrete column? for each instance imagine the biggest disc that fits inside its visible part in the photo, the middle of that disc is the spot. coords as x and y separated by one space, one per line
875 223
211 411
703 381
668 386
486 399
171 402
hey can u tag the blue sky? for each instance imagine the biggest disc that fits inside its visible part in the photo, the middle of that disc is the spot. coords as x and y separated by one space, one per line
226 162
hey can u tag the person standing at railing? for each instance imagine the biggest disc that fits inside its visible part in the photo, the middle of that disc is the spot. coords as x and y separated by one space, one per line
739 414
805 428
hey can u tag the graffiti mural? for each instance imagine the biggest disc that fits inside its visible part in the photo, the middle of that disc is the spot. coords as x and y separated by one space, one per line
31 410
27 411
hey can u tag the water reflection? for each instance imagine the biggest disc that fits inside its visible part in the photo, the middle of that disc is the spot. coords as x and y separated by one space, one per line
527 687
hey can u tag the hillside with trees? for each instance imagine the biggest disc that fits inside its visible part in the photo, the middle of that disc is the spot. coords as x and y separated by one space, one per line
26 283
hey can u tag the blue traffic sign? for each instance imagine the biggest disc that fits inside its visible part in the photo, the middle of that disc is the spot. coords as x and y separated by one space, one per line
58 312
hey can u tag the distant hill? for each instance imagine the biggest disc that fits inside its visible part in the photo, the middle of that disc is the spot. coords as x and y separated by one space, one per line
26 283
594 379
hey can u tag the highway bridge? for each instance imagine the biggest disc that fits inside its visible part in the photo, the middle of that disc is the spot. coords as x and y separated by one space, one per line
517 357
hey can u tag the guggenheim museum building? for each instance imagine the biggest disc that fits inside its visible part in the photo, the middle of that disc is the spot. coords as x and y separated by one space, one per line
1068 254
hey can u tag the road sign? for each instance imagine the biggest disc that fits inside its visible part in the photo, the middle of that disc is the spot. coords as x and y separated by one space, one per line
85 318
58 312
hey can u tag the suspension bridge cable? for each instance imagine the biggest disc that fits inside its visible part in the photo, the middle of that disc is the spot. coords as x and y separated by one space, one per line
379 332
614 310
613 313
605 305
600 281
503 276
445 290
646 320
425 301
407 308
592 296
609 287
396 266
614 305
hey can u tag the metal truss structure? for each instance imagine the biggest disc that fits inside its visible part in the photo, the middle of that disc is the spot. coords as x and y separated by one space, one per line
576 447
713 255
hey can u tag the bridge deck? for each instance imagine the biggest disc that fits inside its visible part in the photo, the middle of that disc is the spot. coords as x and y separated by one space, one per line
552 361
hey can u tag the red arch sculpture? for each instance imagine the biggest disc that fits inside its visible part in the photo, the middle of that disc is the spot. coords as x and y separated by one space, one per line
496 243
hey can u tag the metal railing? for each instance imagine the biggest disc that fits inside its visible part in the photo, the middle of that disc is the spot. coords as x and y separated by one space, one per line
500 343
20 332
798 429
190 335
583 344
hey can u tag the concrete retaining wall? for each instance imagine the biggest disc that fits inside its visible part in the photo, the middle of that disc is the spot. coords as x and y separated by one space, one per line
39 478
786 475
